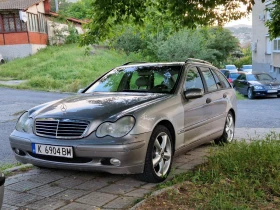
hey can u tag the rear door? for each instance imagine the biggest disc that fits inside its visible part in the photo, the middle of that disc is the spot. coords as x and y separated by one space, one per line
216 92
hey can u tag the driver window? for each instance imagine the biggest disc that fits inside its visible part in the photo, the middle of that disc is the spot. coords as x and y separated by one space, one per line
193 79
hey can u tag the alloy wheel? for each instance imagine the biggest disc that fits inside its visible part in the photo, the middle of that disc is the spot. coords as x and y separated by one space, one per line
229 128
162 152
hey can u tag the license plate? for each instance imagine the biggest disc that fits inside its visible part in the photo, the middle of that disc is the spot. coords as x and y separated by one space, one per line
58 151
272 91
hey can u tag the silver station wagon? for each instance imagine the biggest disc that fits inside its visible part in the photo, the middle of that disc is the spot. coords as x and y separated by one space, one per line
132 120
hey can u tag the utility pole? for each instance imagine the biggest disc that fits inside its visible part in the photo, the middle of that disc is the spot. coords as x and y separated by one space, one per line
56 6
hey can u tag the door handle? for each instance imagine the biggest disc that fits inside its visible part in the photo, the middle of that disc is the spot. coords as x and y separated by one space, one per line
208 100
225 95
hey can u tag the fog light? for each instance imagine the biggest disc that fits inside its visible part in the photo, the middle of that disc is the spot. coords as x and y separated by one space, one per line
115 162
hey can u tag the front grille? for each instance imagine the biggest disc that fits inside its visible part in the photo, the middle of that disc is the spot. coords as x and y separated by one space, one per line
60 128
270 87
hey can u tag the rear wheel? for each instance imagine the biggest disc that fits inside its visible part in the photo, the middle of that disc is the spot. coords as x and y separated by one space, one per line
228 133
159 156
250 93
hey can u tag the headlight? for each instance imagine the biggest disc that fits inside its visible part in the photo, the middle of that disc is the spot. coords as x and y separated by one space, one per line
24 123
116 129
258 87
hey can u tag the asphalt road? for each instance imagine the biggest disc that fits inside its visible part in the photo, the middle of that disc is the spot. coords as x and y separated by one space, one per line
261 113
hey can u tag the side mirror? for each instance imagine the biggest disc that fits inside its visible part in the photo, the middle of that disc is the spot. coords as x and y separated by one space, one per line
193 93
80 90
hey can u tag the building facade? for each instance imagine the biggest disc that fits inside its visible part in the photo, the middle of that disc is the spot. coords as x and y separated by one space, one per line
265 52
23 27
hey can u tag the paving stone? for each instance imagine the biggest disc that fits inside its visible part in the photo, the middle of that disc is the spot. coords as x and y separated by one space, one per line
187 166
138 193
131 182
23 186
177 164
8 207
79 206
47 190
117 189
97 198
18 178
71 194
47 204
69 182
93 185
149 186
120 203
46 178
19 199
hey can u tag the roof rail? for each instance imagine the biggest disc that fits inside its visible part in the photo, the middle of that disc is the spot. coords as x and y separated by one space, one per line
196 60
136 62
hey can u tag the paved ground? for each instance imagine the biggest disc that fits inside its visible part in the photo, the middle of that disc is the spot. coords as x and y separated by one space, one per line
45 189
55 189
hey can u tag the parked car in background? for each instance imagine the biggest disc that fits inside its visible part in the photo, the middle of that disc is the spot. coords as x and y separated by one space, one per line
1 59
2 182
246 68
230 75
132 120
257 84
231 68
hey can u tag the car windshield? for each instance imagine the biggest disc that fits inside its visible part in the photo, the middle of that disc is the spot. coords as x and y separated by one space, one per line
258 77
231 67
233 75
247 67
150 79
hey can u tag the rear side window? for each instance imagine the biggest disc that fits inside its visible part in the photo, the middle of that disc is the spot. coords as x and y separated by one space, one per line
222 79
209 79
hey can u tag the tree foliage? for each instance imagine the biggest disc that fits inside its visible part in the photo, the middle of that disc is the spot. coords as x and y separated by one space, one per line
191 13
274 23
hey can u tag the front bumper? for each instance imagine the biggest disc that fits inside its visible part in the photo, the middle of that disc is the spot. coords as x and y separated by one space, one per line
2 182
89 154
265 93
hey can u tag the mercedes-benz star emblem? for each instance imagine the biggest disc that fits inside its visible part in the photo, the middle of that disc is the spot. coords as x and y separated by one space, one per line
63 108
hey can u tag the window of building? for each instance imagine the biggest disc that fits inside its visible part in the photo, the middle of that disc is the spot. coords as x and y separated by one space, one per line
276 45
11 23
268 45
37 23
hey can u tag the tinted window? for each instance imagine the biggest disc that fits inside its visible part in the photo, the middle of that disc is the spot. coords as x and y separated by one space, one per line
154 79
223 80
259 77
242 77
209 79
193 79
233 75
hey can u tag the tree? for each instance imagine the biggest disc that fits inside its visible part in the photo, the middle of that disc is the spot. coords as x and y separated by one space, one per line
273 24
190 13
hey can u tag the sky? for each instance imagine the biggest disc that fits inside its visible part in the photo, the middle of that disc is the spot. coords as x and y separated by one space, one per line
245 21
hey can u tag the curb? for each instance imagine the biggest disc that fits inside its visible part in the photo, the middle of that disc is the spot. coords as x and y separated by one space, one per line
17 168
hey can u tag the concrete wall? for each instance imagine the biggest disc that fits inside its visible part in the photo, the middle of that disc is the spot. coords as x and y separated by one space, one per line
10 52
261 60
37 8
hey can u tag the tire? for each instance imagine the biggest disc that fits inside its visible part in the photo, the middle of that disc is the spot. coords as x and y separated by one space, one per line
250 93
228 133
159 157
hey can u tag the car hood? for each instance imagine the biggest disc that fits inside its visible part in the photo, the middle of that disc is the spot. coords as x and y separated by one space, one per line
265 82
96 106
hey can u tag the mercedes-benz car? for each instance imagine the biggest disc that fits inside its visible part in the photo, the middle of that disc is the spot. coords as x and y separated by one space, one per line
132 120
2 182
257 84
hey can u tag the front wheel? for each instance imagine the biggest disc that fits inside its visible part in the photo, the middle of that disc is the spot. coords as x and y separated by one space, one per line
250 93
228 133
159 156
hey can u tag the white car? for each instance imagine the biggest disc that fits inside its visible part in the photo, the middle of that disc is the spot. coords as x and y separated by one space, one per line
246 68
1 59
231 68
2 182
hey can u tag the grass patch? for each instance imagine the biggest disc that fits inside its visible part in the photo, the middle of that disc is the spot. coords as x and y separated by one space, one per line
7 166
240 96
62 68
240 175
